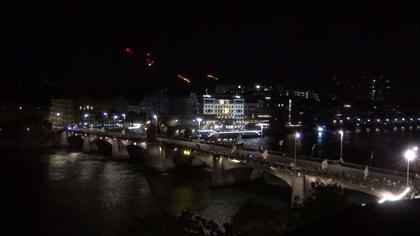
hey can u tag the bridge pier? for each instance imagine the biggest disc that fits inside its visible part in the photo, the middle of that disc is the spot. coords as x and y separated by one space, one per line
227 172
157 158
63 140
118 148
88 144
298 190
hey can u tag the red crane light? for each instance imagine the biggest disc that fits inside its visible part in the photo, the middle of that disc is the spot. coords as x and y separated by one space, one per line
129 51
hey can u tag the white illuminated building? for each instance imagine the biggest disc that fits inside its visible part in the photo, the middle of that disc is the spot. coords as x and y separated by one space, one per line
223 108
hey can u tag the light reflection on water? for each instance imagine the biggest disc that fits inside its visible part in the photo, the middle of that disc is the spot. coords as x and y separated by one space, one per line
90 194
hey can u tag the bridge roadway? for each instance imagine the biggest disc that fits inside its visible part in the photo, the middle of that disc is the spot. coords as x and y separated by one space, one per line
344 172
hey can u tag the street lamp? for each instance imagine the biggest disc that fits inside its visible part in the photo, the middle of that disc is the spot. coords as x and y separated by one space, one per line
297 136
341 145
409 155
261 125
58 114
199 122
156 124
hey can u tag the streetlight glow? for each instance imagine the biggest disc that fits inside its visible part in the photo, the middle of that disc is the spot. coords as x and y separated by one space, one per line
261 132
199 122
341 145
297 136
410 155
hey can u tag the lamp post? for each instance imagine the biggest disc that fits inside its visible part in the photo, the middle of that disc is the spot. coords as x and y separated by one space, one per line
58 114
156 124
312 150
199 122
409 155
297 136
261 125
341 145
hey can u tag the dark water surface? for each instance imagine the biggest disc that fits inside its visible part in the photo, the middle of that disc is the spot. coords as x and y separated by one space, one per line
61 192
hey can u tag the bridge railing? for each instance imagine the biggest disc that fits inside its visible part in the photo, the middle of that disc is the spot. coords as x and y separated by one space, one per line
356 180
111 134
307 158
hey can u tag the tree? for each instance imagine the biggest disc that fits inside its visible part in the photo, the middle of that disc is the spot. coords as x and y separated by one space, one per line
256 219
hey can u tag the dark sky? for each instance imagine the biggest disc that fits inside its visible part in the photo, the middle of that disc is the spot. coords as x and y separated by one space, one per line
295 44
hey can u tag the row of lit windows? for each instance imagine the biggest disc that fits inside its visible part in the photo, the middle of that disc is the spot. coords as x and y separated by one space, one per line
223 106
222 111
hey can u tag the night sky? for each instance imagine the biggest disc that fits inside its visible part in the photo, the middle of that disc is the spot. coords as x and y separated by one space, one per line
298 45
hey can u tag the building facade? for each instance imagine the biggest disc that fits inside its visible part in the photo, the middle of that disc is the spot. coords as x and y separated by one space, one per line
70 111
223 108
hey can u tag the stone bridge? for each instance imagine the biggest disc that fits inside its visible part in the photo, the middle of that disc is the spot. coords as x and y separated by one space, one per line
232 167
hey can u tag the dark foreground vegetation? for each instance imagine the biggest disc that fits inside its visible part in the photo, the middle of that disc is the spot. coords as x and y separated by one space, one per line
327 212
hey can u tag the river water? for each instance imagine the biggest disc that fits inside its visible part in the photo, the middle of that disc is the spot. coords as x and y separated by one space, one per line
65 192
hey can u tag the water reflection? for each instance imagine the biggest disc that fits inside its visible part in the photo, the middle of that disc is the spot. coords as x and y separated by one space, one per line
88 194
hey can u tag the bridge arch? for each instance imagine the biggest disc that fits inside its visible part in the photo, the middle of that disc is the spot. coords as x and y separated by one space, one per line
135 151
104 145
74 140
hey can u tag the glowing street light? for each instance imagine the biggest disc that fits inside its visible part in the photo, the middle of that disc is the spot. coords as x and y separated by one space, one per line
156 123
199 122
261 132
297 136
409 155
341 145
